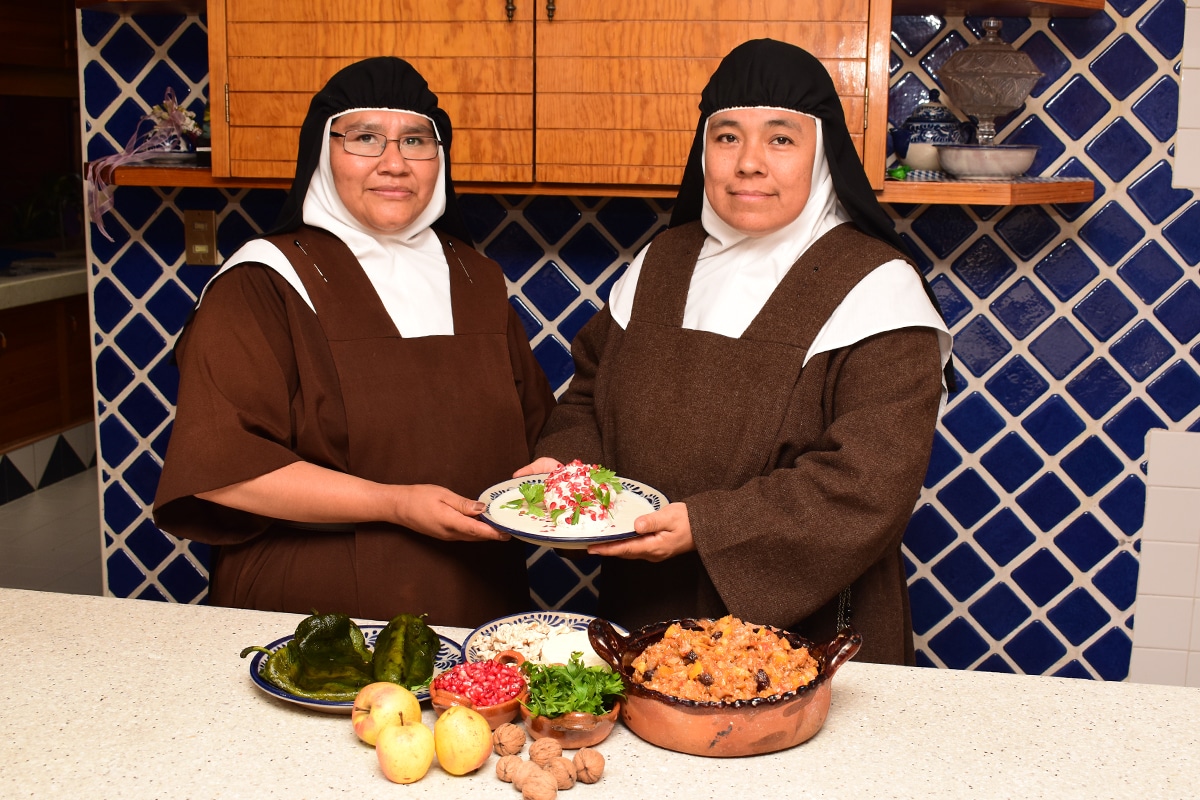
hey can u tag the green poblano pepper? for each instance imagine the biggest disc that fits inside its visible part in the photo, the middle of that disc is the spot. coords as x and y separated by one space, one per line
327 659
405 651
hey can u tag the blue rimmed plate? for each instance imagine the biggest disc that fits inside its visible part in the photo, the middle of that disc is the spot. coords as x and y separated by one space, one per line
447 656
636 499
554 619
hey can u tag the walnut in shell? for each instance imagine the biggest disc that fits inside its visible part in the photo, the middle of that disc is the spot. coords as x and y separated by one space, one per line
541 751
589 765
508 739
507 765
539 785
563 770
521 771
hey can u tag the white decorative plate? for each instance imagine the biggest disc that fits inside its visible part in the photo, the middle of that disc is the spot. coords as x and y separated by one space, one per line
578 622
636 499
447 656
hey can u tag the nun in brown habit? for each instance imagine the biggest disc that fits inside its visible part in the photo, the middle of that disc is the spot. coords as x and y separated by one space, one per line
351 381
773 363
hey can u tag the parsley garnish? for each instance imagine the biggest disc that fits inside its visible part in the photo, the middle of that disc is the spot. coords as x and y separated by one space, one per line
556 689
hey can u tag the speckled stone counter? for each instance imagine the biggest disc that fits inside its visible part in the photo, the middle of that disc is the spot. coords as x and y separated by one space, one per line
24 290
107 698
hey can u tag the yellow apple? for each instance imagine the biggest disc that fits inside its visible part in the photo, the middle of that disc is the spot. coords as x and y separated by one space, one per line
463 740
405 752
381 704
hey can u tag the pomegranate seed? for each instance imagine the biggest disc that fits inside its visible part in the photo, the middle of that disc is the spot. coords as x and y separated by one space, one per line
484 683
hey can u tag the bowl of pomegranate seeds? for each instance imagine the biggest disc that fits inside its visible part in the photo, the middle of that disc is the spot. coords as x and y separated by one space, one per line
494 688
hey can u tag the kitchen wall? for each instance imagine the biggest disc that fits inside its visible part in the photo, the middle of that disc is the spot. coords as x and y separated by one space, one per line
1077 330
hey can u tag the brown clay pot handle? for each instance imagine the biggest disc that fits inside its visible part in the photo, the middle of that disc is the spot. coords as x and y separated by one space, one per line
509 657
445 698
607 643
841 649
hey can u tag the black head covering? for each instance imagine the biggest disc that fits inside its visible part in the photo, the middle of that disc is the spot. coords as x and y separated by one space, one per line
383 82
766 72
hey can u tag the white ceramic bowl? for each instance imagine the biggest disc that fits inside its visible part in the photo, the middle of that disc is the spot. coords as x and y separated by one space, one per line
921 155
994 161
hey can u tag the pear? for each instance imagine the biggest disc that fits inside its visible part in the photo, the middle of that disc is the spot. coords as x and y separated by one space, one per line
462 739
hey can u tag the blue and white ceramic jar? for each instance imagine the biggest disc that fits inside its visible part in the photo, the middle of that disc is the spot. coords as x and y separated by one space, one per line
916 140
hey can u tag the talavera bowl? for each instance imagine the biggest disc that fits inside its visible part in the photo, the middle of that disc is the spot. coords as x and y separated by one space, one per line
994 161
722 729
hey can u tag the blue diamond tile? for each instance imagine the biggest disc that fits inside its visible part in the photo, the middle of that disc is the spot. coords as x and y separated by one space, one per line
913 33
973 422
1176 390
979 345
120 510
1150 272
588 254
1074 169
1183 233
1123 66
943 459
1048 501
571 324
1163 27
1111 232
1066 270
1004 537
160 27
627 219
602 291
1180 312
170 306
1155 195
928 606
514 250
1081 35
139 341
149 544
116 442
1110 654
124 577
142 477
1011 462
194 278
182 581
143 411
102 90
165 377
1046 57
953 303
962 572
137 205
555 361
999 612
112 374
958 645
983 266
190 54
943 228
1016 385
1035 649
894 63
552 216
1126 504
904 95
137 270
1053 424
110 305
550 290
153 87
928 533
968 498
1060 348
263 206
1091 465
1129 426
919 259
159 445
1021 308
1027 229
482 213
1104 310
933 61
1142 350
1158 108
126 53
1073 669
1097 388
95 25
1126 7
1077 106
1118 580
1041 577
1118 149
1034 131
1086 542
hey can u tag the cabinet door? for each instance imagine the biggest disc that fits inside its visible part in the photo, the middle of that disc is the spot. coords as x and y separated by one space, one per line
619 81
268 58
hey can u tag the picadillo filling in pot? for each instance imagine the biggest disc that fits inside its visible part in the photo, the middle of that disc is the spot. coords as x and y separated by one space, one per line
726 659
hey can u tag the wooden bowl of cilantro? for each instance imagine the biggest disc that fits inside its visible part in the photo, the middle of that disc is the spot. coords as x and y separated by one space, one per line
576 705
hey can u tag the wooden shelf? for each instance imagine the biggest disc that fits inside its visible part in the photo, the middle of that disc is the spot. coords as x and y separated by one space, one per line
997 8
980 193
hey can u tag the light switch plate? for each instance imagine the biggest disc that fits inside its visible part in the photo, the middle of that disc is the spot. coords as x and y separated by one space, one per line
200 238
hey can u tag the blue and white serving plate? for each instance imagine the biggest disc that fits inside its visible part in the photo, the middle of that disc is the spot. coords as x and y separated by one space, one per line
635 500
447 656
471 646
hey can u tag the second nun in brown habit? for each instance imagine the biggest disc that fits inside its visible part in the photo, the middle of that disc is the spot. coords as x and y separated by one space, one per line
351 382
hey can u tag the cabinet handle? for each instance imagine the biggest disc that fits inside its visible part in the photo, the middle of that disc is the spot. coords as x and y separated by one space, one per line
511 8
550 10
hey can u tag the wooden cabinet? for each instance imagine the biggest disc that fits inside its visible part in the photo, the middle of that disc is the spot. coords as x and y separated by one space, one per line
45 370
615 84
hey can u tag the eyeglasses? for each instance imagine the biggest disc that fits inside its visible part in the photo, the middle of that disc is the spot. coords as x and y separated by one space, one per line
372 144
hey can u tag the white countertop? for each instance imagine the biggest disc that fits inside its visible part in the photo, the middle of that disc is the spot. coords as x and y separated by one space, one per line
37 287
108 698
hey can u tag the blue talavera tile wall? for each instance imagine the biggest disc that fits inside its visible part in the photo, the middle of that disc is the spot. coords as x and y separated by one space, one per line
1077 330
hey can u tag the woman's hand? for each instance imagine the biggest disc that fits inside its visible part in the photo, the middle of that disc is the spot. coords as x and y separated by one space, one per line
661 535
442 514
542 465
